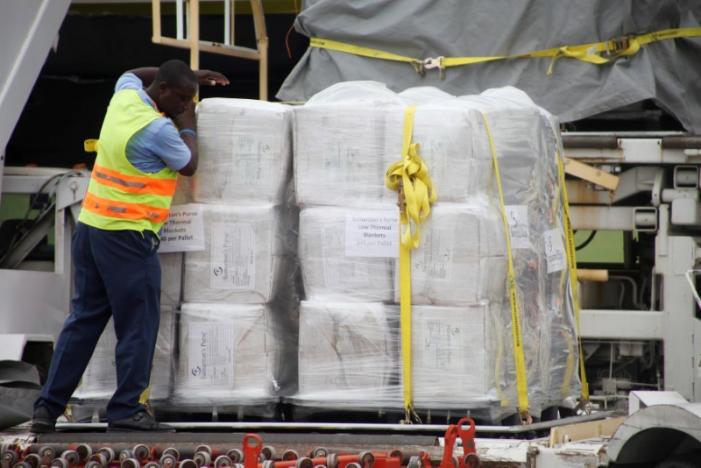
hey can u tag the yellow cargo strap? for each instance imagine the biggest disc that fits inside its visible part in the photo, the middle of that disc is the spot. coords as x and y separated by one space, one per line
519 358
572 264
410 178
597 53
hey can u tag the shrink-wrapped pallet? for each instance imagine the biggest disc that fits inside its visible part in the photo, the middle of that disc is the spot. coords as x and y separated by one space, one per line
462 257
100 377
328 273
242 257
348 355
244 151
228 355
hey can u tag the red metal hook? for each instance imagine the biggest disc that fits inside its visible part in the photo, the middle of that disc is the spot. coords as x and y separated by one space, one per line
252 446
469 450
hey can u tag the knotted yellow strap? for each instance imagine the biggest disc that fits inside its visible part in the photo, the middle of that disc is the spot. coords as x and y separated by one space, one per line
598 53
410 178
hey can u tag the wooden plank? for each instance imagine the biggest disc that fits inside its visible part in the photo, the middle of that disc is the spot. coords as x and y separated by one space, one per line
194 34
582 431
263 70
591 174
213 47
587 274
156 20
262 44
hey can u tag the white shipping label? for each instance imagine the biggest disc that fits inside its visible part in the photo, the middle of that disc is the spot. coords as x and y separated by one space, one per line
232 256
554 250
210 354
517 217
184 230
372 234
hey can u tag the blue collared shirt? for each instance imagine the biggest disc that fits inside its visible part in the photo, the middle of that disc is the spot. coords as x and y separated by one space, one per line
158 144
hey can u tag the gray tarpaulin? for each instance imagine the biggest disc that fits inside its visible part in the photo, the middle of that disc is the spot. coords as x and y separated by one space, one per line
668 72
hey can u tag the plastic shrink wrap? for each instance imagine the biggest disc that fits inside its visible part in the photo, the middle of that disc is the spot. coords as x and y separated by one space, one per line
183 190
349 356
342 149
171 278
228 354
461 256
244 151
242 257
346 136
100 377
453 356
527 143
327 273
461 259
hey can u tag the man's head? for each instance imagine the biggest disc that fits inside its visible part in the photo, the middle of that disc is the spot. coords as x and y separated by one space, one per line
174 87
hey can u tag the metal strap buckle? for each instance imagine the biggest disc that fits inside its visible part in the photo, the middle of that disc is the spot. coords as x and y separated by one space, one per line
437 62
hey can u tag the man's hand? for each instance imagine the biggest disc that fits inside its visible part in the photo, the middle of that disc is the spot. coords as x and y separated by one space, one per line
186 119
211 78
187 124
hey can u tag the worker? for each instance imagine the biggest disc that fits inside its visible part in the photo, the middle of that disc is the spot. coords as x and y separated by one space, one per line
148 136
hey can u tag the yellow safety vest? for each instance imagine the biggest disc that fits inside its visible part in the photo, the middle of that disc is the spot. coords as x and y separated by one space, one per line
120 196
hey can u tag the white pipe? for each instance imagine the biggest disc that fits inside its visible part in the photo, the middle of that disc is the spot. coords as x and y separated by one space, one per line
227 22
354 427
179 19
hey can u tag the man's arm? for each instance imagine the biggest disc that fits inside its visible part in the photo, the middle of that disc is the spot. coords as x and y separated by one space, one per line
145 74
187 127
204 77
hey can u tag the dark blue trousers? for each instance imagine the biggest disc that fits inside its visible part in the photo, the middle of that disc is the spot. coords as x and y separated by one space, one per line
116 274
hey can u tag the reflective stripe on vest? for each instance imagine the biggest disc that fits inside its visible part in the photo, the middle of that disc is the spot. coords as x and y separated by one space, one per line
122 210
133 184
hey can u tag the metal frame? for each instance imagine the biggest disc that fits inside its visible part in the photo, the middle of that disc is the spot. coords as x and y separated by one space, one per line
641 161
188 11
37 302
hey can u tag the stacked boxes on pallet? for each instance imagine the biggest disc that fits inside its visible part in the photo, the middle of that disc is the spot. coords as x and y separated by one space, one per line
230 339
231 329
349 350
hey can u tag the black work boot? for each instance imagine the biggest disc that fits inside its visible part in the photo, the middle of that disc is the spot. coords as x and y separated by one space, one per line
42 421
140 421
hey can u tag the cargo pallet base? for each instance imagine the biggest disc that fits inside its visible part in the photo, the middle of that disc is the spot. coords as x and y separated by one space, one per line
286 410
485 416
